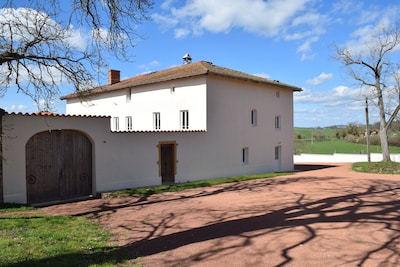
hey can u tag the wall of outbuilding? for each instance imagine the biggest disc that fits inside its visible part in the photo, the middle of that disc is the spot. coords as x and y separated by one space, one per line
126 160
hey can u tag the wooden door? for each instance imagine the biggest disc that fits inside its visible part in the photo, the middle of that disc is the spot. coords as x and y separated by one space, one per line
58 166
167 161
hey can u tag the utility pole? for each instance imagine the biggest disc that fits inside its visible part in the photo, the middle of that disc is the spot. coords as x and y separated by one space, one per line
367 129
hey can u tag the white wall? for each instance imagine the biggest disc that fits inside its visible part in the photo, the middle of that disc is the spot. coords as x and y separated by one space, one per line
130 159
230 122
337 157
188 94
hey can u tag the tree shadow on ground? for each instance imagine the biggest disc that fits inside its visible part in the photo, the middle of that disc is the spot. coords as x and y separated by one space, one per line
376 204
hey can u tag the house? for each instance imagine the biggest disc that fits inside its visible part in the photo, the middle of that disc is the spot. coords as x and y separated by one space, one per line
190 122
183 98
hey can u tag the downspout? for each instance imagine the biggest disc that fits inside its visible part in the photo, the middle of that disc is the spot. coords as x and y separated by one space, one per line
2 113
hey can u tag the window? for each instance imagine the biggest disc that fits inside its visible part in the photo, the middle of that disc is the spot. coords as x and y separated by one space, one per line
184 119
156 121
278 94
253 117
128 123
129 95
277 152
116 124
245 155
172 89
277 122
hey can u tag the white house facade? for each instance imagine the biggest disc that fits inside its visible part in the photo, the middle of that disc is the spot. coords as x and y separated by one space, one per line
213 122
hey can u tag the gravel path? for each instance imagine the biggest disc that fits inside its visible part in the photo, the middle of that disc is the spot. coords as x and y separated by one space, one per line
320 216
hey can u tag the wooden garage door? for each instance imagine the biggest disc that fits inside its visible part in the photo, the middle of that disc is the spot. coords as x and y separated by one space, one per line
58 166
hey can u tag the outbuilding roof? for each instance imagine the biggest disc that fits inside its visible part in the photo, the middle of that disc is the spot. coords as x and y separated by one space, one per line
179 72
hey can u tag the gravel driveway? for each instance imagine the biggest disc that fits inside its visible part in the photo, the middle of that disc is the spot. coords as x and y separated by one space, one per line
327 216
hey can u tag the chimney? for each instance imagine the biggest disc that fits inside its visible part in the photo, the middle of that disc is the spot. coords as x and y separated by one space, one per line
113 76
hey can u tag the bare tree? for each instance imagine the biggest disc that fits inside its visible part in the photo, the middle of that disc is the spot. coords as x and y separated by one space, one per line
41 48
372 67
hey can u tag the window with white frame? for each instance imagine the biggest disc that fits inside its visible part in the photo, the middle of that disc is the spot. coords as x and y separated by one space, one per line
156 121
245 155
184 119
277 122
129 95
253 117
128 123
115 123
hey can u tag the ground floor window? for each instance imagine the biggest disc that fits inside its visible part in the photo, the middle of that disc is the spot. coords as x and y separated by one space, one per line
245 155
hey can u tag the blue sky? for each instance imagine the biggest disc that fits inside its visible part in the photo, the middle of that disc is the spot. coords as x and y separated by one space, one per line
287 40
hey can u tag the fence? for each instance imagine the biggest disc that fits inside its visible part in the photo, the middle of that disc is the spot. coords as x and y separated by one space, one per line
338 157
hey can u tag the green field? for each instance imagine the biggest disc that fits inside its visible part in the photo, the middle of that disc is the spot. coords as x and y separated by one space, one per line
331 144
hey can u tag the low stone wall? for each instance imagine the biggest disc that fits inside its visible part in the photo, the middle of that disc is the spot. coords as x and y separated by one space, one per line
337 157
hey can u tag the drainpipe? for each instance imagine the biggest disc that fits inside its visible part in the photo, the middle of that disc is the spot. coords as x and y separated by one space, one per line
2 112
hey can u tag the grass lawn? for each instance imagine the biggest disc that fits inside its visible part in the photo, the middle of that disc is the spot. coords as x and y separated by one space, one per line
377 167
337 146
30 239
146 191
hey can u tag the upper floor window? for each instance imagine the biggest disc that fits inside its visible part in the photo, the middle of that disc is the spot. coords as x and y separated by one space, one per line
172 89
278 94
115 123
184 119
128 122
278 122
253 117
156 121
129 95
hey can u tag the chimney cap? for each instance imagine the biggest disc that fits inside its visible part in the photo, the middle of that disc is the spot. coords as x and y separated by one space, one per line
187 58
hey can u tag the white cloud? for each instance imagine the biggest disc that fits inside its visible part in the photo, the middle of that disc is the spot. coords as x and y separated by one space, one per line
320 79
340 105
267 18
281 19
17 108
338 96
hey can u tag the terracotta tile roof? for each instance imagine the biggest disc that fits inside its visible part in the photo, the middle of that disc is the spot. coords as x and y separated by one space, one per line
179 72
51 114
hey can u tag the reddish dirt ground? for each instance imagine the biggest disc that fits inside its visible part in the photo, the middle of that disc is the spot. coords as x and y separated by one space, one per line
326 216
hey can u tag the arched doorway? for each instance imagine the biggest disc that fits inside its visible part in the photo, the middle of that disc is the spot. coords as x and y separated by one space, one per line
58 166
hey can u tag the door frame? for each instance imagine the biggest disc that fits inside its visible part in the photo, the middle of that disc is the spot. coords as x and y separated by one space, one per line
174 160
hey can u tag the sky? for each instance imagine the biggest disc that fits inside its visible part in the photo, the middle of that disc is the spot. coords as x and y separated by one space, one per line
287 40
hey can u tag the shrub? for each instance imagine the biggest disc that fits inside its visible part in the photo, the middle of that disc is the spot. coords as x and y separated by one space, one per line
394 140
350 138
375 140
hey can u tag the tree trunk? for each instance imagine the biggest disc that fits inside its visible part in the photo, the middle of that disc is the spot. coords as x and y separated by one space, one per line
383 129
384 144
